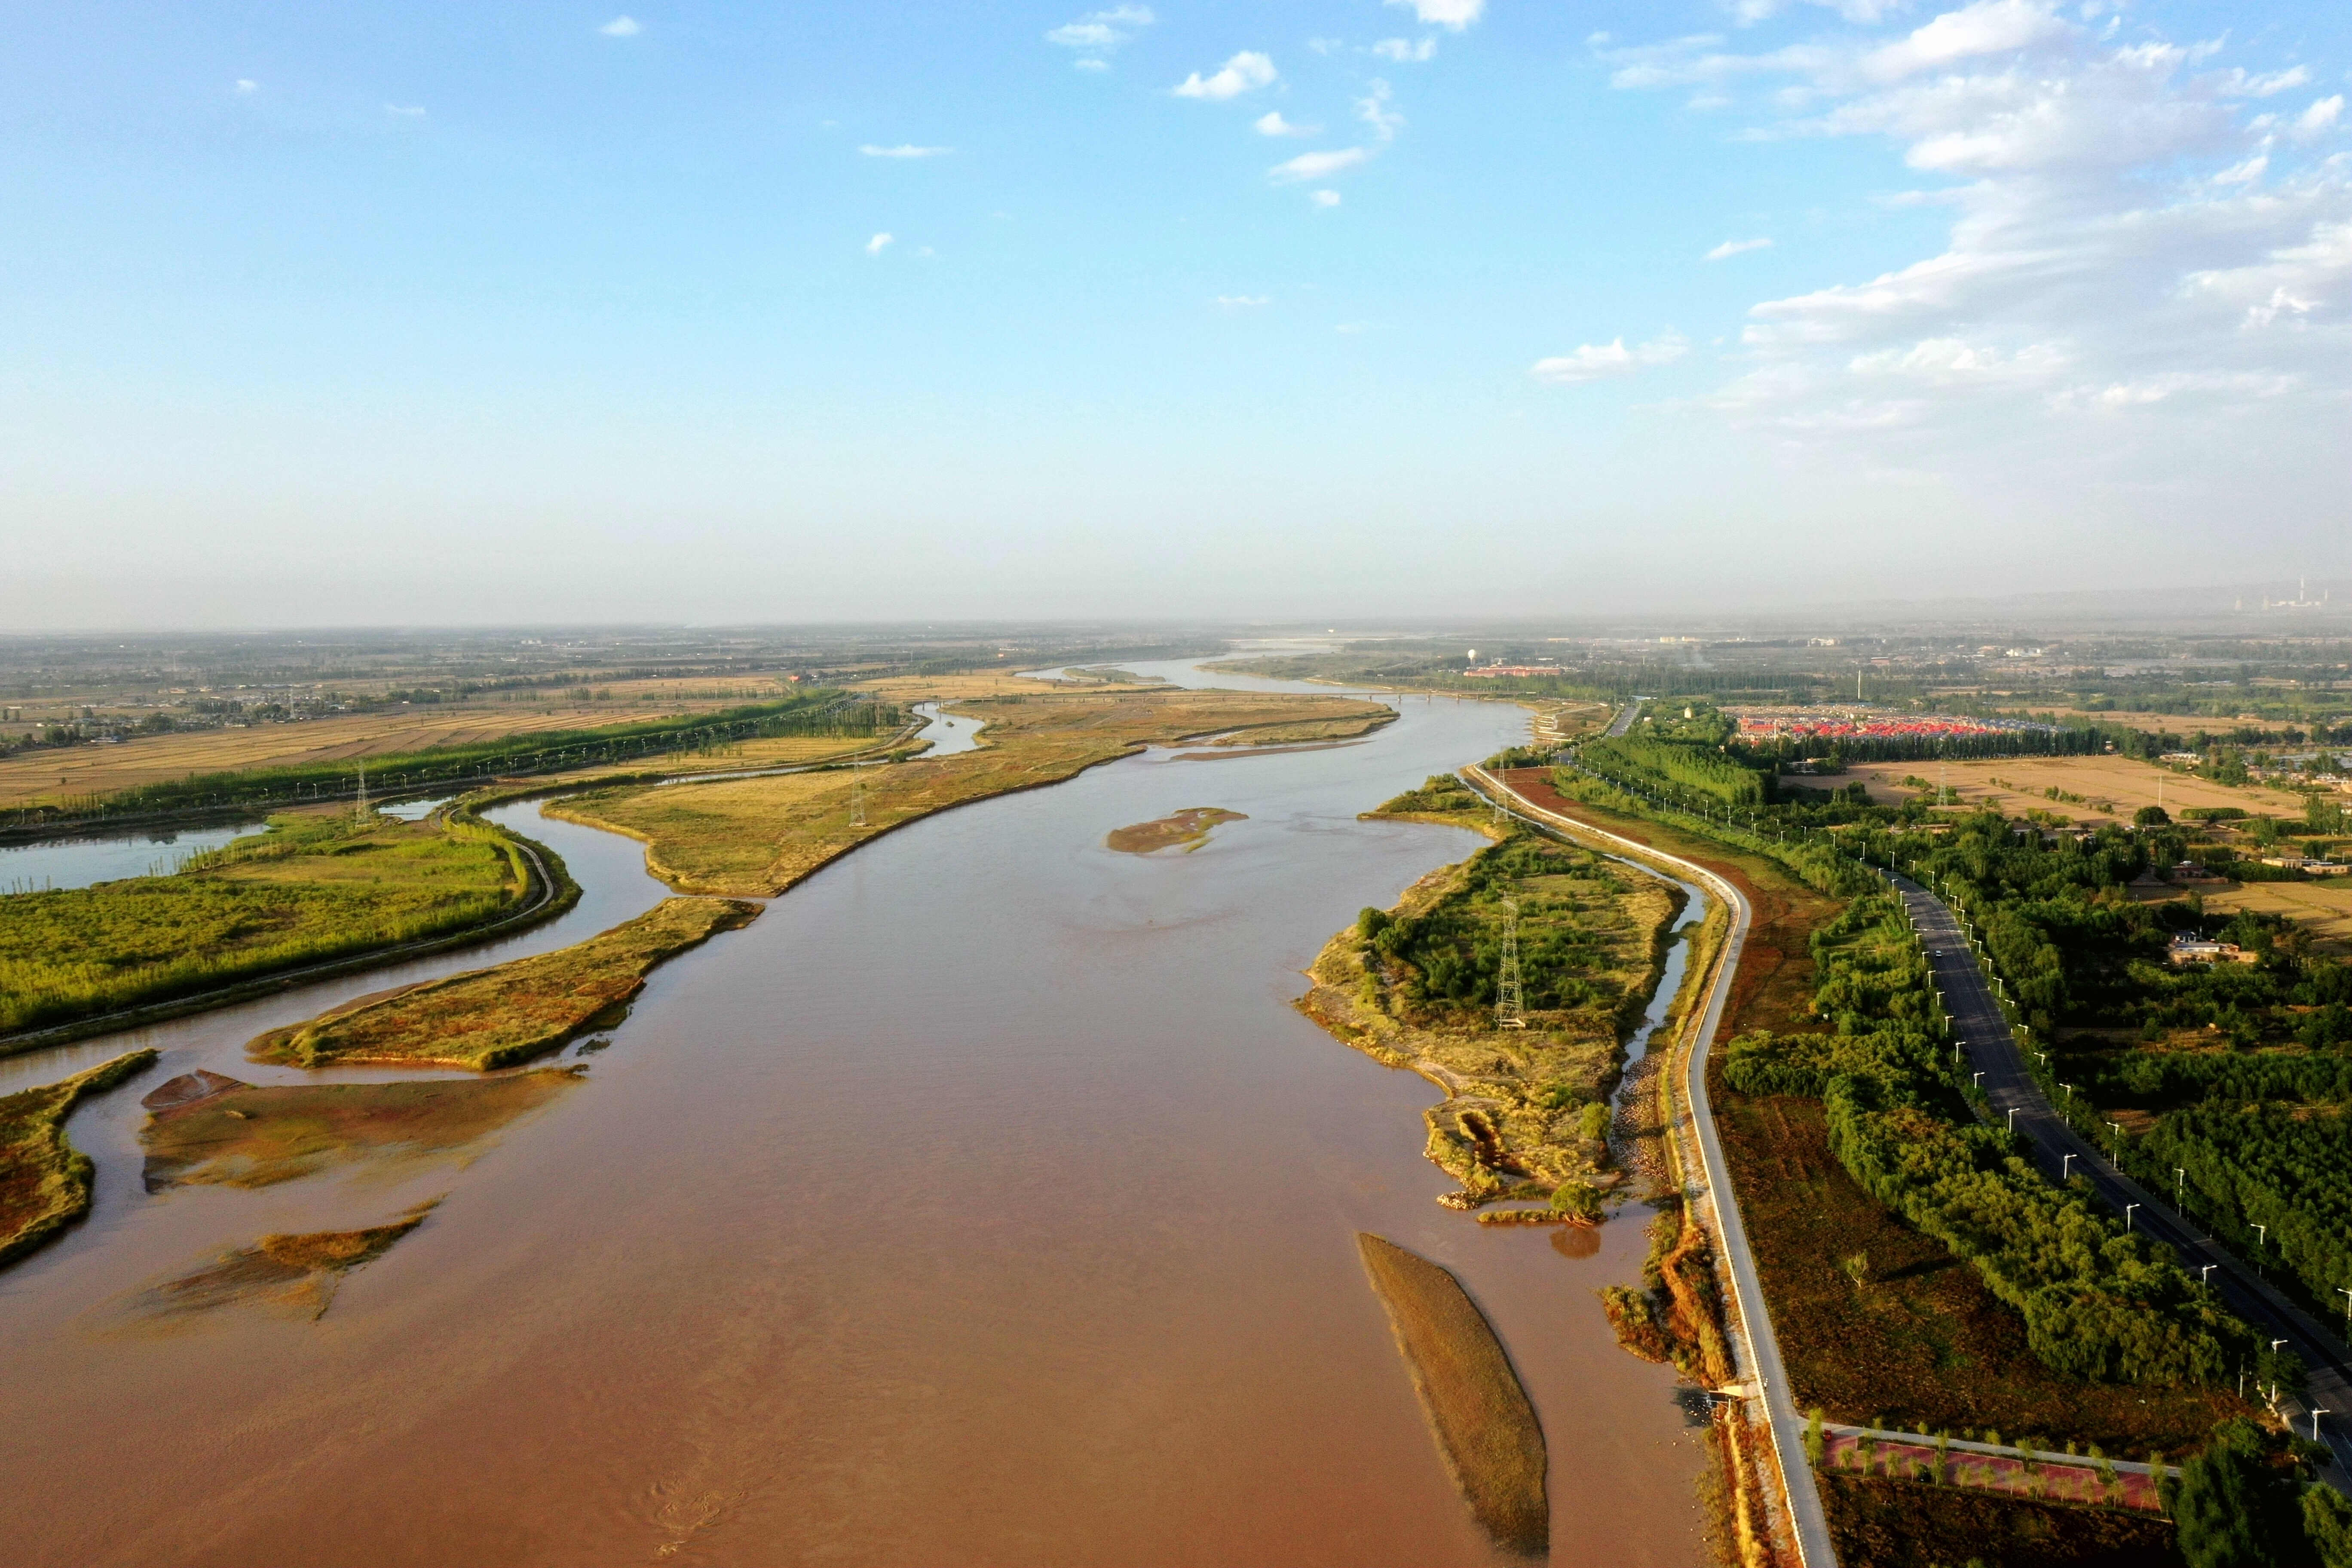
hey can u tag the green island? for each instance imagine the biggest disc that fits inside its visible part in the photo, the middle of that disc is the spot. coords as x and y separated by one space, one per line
44 1179
496 1017
1527 1112
314 887
206 1129
1478 1411
755 837
295 1273
1188 828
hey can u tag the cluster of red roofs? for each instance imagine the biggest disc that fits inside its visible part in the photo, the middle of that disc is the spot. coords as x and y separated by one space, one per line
1809 725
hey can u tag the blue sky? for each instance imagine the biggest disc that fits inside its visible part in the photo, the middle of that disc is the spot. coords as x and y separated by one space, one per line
462 313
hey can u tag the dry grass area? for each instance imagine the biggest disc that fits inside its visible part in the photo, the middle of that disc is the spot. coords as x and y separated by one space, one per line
2016 783
496 1017
1478 1411
1189 827
44 1179
32 777
293 1273
1301 735
2324 909
908 689
1915 1524
755 837
209 1129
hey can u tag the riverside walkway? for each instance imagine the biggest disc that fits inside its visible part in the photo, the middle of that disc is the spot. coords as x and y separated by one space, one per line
1695 1126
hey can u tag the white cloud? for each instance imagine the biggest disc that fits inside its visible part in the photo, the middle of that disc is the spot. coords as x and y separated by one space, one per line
406 110
878 244
247 84
1373 109
904 150
621 27
1592 361
1454 15
2319 118
1091 63
1731 247
1984 28
1245 72
1405 51
1324 199
1272 123
2238 83
1316 165
1243 301
2135 237
1102 30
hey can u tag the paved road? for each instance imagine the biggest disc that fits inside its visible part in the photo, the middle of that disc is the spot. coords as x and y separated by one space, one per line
1763 1358
1624 722
1992 1049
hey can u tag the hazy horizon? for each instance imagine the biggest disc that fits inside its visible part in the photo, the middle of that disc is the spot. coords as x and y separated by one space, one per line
1418 310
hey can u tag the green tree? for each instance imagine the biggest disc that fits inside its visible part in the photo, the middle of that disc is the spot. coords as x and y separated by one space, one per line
2152 816
2328 1525
1814 1439
2233 1508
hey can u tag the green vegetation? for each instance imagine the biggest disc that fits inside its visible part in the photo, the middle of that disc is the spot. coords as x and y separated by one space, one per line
496 1017
2098 1303
44 1179
1416 988
1189 827
1485 1426
2237 1504
312 888
2235 1074
1696 770
207 1130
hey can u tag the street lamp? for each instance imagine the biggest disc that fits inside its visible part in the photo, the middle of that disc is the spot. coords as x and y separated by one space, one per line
2265 1235
2013 1118
2128 1215
2204 1276
2179 1177
1977 1081
2066 1168
2315 1415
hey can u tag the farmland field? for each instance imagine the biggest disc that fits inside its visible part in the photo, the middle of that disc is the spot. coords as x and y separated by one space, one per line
31 777
2122 782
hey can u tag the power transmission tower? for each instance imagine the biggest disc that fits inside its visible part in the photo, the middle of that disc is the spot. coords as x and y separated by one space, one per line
858 795
1510 1002
361 810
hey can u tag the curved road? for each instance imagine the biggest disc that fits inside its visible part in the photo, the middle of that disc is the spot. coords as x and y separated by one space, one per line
2059 1150
1763 1348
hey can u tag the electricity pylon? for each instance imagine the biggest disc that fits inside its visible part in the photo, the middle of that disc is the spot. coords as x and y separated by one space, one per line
361 810
858 795
1510 1002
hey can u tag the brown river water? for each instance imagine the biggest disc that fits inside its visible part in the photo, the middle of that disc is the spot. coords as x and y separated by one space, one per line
984 1202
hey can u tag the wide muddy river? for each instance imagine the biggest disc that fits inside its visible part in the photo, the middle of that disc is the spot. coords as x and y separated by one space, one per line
984 1202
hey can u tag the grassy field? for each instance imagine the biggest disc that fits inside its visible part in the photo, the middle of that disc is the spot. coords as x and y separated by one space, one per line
44 1179
756 838
1524 1111
1478 1411
206 1130
313 888
1920 1339
1914 1524
495 1017
2017 783
295 1273
1189 827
